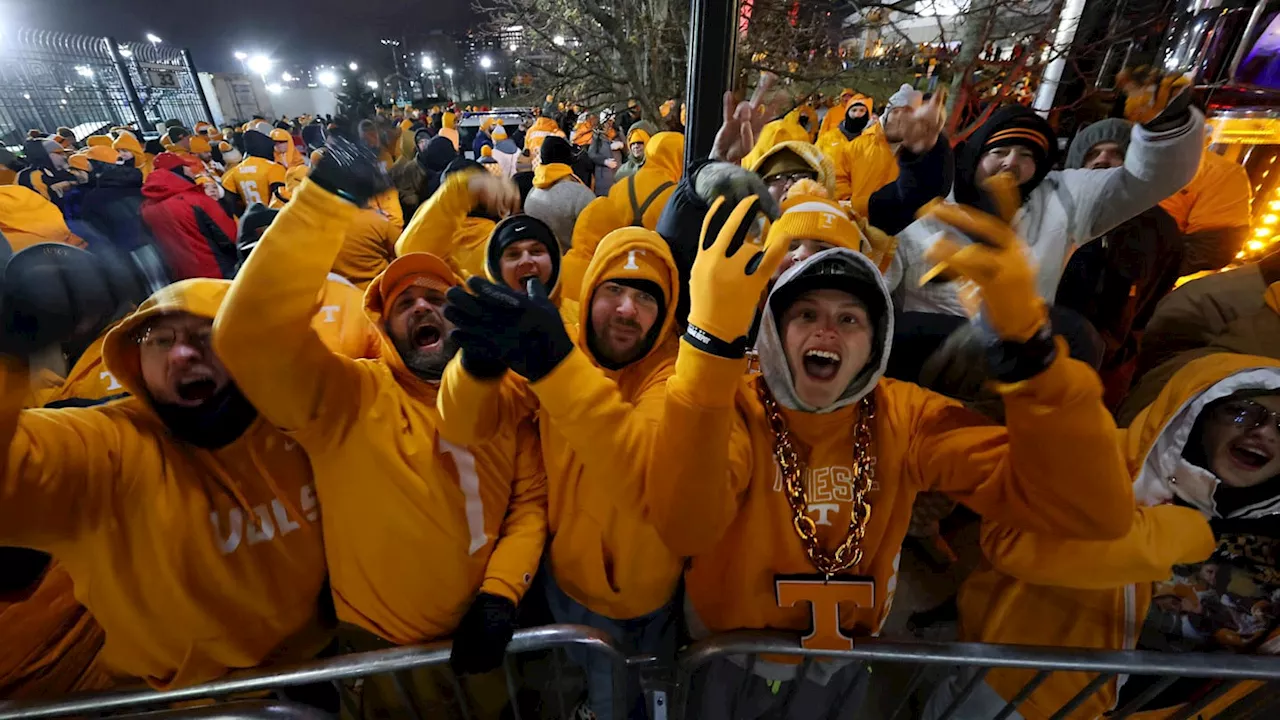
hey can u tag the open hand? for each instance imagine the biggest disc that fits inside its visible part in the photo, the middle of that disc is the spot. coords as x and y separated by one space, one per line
498 195
921 128
743 121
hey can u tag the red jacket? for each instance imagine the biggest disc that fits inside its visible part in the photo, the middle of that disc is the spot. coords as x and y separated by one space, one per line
195 235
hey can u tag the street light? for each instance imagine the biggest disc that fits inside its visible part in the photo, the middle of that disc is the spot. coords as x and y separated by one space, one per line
153 39
328 78
354 67
486 62
84 71
126 52
514 47
558 40
373 84
241 56
286 77
427 63
259 65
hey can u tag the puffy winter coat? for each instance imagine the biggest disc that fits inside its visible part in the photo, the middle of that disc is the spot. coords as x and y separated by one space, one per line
557 199
112 206
221 547
1039 589
1067 209
479 512
194 234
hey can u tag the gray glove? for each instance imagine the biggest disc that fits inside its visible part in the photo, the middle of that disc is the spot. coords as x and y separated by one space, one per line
735 183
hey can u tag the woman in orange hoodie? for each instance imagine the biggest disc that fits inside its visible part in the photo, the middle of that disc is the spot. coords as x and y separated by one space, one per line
1196 573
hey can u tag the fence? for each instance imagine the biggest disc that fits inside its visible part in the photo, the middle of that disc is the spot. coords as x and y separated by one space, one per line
920 657
51 79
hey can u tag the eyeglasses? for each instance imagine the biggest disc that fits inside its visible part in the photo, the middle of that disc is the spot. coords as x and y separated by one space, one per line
1248 414
789 178
165 338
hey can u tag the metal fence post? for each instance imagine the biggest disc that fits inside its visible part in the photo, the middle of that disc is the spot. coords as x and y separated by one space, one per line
195 78
713 29
113 49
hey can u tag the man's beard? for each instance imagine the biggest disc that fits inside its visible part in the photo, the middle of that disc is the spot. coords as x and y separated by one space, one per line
426 364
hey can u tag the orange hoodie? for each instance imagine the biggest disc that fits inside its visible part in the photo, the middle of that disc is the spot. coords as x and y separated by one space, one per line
644 194
595 425
478 512
1043 590
714 492
220 548
27 218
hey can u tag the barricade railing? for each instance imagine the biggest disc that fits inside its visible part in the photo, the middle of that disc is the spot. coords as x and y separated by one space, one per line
394 663
242 710
975 660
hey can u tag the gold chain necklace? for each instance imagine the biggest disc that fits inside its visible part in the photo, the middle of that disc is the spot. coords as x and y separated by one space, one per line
849 553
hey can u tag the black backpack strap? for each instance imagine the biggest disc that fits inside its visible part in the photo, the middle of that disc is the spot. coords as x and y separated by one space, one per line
638 210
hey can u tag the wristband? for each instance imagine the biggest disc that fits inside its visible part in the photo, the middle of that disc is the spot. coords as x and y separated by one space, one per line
1012 362
713 345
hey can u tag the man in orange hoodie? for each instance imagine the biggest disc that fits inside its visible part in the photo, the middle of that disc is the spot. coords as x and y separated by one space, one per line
478 511
174 509
607 567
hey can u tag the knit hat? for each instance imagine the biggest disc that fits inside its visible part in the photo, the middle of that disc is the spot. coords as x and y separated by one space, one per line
556 149
906 96
809 217
499 133
637 135
280 135
101 154
79 161
200 144
516 228
784 161
417 269
486 152
1113 130
1010 125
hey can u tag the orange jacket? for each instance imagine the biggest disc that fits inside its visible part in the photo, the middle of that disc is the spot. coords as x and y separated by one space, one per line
1217 197
478 512
863 166
257 181
1038 589
221 548
595 425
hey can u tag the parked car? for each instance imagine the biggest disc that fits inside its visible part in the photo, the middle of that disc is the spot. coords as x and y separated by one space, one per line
470 125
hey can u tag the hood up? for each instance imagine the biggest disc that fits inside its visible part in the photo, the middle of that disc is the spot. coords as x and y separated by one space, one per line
29 219
665 153
773 358
1158 437
808 152
492 254
421 264
774 134
259 145
163 184
439 153
969 153
613 260
198 296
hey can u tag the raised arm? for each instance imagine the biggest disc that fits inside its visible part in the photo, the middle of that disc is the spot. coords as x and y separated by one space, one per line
437 222
518 550
1160 538
263 332
1159 163
1058 467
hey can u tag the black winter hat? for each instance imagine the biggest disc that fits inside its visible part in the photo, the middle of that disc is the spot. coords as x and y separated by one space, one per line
1010 125
260 146
313 136
458 165
516 228
556 149
176 134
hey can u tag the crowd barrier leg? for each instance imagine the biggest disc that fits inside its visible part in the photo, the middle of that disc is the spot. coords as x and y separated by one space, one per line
1085 693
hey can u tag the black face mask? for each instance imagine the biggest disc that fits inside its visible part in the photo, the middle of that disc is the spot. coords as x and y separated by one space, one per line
215 423
853 127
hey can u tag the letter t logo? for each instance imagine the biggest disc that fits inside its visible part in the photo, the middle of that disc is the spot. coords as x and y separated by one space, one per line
824 598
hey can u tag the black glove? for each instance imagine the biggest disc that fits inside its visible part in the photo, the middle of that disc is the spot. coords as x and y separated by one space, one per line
526 329
55 293
480 642
481 357
350 170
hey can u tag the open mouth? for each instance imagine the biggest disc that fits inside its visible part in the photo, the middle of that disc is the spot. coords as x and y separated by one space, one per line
197 390
426 336
821 365
523 281
1249 456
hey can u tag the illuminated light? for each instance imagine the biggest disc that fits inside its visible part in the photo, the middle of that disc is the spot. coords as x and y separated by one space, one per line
26 96
286 77
152 38
373 84
1274 205
242 56
485 62
274 88
1254 245
558 40
514 47
259 64
352 66
64 101
428 63
448 71
329 78
126 53
1261 232
1240 255
1270 219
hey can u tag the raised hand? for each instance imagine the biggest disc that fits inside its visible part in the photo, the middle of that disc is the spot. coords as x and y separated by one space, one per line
743 121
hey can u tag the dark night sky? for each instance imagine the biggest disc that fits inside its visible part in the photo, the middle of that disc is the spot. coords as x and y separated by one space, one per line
307 32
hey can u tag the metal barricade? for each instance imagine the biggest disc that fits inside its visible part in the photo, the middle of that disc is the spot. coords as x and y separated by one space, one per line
245 710
974 660
392 663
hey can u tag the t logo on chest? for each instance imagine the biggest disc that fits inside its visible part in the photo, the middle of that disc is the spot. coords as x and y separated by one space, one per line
824 597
